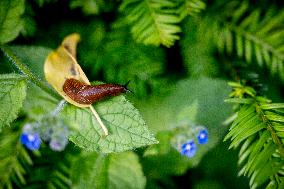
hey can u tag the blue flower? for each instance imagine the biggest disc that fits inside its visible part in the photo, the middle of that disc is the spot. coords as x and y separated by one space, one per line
58 145
188 148
31 140
202 136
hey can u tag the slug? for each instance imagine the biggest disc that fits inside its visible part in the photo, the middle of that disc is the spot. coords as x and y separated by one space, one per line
88 94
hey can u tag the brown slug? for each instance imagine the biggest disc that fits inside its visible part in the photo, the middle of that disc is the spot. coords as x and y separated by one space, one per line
88 94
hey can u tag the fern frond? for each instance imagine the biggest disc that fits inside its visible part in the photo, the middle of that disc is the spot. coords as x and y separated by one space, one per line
191 7
51 170
153 21
14 159
254 35
259 130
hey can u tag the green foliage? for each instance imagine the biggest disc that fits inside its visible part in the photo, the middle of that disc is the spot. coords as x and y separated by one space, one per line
92 6
184 99
33 63
258 129
14 159
41 3
29 24
138 41
12 95
191 7
190 101
197 49
10 19
127 128
50 172
143 65
153 22
157 22
255 35
112 171
94 165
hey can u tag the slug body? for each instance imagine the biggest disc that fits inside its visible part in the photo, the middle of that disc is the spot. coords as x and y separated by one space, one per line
88 94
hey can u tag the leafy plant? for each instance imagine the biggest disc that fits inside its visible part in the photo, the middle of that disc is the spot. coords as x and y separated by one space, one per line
258 130
11 22
108 171
14 159
154 22
87 132
178 55
12 96
254 35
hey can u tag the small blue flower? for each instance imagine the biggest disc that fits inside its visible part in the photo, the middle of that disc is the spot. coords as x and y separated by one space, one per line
202 136
57 145
188 148
31 140
59 138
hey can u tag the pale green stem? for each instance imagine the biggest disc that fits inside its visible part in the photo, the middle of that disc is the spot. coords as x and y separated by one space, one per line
99 120
58 108
270 128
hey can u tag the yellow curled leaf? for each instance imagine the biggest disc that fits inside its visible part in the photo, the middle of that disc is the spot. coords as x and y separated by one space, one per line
61 65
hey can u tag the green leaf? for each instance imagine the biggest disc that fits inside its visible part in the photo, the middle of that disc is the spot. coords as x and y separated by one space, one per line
38 103
263 156
256 150
12 95
30 64
275 117
257 34
246 149
89 170
50 169
113 171
13 157
126 126
32 57
239 100
247 133
267 170
92 7
88 6
191 7
121 166
10 19
272 106
153 22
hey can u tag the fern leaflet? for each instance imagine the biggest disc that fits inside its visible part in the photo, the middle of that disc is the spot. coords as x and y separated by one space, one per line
258 129
153 21
255 36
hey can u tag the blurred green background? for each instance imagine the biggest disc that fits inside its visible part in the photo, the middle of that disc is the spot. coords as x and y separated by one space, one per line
183 80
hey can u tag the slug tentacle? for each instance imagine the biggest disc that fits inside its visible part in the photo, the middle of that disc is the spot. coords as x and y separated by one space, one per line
125 86
88 94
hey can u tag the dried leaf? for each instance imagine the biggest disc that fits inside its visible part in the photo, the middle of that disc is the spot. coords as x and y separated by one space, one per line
61 65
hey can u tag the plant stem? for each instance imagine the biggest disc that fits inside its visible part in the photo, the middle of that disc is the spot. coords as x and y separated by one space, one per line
58 108
270 128
99 120
26 71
